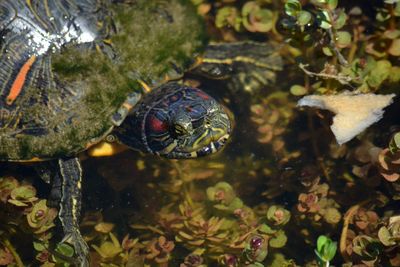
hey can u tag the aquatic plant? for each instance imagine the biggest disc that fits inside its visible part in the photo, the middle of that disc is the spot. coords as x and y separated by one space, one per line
280 184
316 204
326 250
389 159
25 213
193 260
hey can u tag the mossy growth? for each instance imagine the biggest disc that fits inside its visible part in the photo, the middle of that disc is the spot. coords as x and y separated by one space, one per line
151 41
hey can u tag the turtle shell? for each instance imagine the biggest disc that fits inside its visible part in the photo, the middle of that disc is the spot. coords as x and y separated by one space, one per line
67 66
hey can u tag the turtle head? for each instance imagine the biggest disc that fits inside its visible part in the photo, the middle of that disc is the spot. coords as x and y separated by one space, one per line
176 121
198 127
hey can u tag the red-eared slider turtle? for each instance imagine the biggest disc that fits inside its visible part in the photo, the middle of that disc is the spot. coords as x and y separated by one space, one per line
71 71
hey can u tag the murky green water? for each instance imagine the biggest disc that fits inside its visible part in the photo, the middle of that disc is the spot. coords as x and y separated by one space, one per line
280 183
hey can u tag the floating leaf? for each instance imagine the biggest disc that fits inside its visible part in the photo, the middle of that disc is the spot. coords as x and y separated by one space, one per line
391 34
278 215
279 240
394 48
394 145
264 228
104 227
304 17
394 76
332 4
22 195
343 39
65 250
327 51
41 218
340 19
332 215
222 193
323 19
292 7
385 237
326 248
228 16
380 73
257 19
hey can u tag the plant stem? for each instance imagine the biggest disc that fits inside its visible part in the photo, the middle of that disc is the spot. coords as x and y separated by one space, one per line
392 20
320 159
346 221
11 248
333 39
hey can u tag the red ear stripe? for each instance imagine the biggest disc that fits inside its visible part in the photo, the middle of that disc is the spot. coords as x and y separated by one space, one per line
157 125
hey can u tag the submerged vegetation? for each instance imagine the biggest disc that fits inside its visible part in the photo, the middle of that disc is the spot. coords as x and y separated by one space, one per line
282 193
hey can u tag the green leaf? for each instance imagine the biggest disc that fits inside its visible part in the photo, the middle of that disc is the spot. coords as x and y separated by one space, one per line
394 48
327 51
332 4
262 254
323 19
237 203
379 73
397 10
320 258
343 39
65 249
382 15
228 16
264 228
330 251
385 237
17 203
23 192
394 75
396 139
340 20
292 7
255 264
279 240
303 18
322 240
394 144
391 34
39 246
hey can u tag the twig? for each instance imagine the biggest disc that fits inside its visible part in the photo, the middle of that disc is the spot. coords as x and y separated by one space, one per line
346 221
341 78
333 46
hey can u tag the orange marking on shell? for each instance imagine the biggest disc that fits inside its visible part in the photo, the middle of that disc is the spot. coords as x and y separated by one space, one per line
19 81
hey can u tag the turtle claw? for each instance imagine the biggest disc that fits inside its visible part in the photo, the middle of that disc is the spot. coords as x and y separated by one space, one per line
80 247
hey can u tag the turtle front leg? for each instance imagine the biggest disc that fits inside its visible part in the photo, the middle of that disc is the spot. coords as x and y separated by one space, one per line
68 190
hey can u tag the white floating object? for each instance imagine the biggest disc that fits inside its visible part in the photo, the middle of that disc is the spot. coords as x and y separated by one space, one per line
354 112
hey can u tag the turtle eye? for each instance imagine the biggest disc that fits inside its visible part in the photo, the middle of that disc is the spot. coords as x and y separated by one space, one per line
181 129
